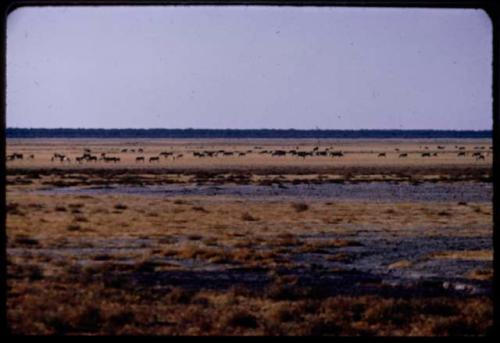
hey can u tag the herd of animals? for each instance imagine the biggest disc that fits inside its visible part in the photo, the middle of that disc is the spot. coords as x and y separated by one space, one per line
479 153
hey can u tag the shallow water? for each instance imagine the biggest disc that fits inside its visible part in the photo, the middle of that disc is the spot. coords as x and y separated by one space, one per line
372 191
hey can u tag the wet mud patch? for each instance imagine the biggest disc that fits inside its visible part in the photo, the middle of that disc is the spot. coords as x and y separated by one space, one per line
374 191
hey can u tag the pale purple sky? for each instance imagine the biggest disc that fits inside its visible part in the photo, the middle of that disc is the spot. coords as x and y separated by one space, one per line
249 67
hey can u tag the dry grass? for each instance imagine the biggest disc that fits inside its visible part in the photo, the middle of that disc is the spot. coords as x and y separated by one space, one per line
472 255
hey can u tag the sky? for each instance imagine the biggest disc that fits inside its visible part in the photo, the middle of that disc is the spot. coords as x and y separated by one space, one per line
249 67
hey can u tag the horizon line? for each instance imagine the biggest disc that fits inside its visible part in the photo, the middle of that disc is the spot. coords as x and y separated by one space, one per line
238 129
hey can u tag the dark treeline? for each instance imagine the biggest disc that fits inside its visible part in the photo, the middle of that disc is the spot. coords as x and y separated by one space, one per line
235 133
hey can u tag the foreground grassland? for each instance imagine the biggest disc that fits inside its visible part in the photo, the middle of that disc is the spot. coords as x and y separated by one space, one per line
259 248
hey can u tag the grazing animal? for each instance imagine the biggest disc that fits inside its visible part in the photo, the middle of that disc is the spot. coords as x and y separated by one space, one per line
279 153
426 154
111 159
58 156
382 154
435 154
461 154
480 157
403 155
139 159
15 156
154 158
441 147
124 150
140 150
336 154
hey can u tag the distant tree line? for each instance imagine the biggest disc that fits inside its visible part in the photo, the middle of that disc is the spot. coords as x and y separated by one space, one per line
237 133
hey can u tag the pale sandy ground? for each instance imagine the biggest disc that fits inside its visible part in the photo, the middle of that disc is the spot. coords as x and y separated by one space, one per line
357 153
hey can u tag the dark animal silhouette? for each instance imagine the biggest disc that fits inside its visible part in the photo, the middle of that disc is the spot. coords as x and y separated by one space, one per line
279 153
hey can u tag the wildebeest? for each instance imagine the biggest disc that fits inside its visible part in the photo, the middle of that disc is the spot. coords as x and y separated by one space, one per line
111 159
139 159
461 154
403 155
426 154
303 154
140 150
336 154
279 153
58 156
480 157
124 150
15 156
154 158
441 147
166 154
382 154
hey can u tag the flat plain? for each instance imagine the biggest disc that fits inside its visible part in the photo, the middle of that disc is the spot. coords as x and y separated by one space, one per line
250 237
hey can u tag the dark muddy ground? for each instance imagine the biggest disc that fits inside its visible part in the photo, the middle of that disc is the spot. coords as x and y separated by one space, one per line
362 268
371 191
